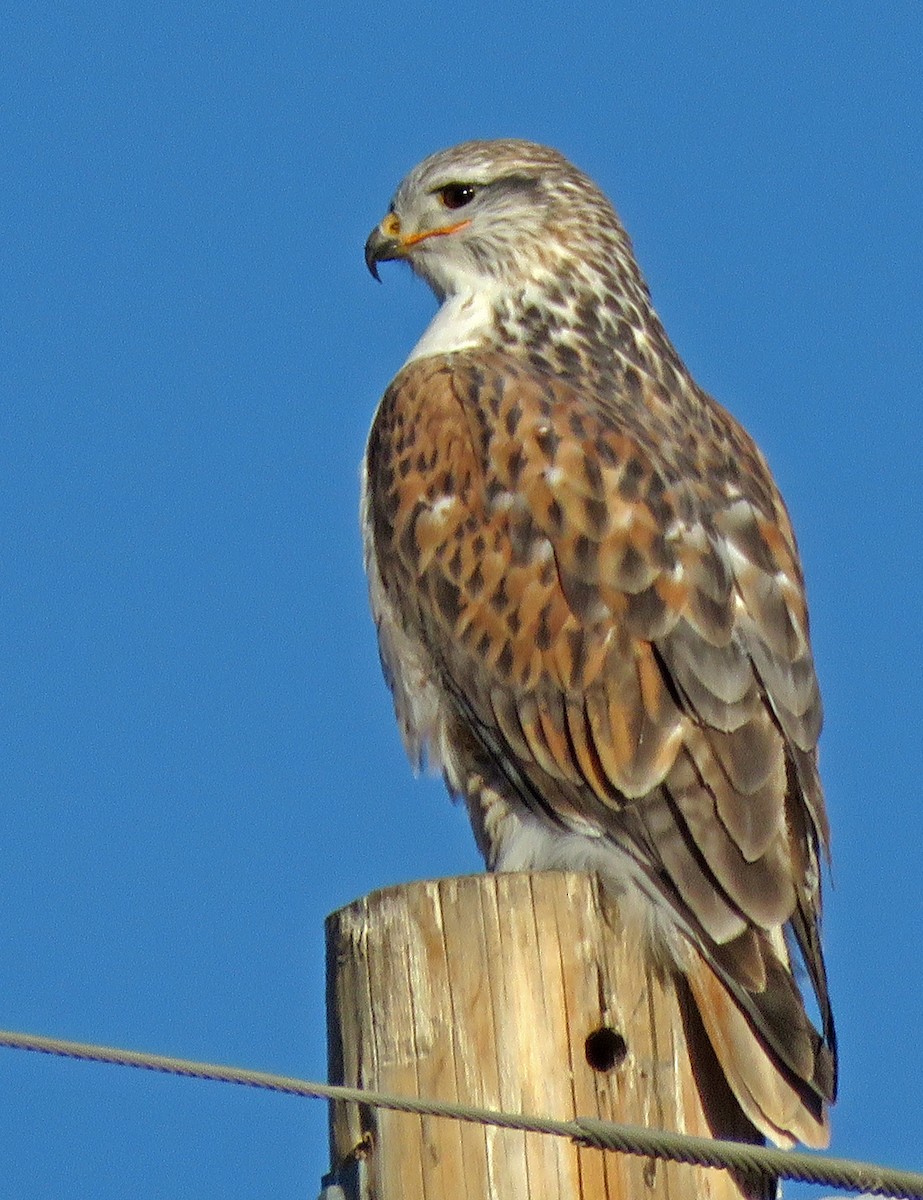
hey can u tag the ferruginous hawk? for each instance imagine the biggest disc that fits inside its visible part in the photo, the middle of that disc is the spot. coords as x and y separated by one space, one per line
591 609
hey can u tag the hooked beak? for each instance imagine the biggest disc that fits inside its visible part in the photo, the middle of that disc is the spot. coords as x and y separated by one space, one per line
382 245
386 242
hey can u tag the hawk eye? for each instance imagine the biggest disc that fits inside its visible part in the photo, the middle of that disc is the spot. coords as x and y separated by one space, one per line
457 195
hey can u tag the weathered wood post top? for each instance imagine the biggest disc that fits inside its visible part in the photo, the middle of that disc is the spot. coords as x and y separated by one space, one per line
521 993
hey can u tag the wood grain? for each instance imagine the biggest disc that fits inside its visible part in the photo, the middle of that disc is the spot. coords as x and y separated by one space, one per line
483 990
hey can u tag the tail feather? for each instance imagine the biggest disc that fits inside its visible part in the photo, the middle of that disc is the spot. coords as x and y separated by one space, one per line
785 1105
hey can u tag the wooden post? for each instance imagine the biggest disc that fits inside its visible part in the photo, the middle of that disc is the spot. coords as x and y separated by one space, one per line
485 990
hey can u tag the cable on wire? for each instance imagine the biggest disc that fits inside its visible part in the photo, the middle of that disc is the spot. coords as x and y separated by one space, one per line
844 1174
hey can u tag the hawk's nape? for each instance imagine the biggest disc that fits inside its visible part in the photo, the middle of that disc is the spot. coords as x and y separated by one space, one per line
591 608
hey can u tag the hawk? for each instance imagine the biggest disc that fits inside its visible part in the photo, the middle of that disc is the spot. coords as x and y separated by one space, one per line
591 609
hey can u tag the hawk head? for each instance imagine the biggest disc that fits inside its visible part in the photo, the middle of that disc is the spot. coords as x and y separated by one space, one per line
492 215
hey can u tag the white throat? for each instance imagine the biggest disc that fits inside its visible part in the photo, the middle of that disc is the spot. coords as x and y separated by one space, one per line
464 320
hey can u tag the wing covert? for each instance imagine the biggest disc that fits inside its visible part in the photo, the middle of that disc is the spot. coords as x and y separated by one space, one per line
628 634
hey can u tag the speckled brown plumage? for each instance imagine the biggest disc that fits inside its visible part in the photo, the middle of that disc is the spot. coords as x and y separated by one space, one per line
591 609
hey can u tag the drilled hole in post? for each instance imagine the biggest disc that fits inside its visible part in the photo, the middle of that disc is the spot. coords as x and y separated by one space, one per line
605 1049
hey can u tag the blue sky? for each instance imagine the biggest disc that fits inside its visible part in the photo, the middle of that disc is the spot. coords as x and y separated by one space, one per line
199 759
